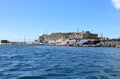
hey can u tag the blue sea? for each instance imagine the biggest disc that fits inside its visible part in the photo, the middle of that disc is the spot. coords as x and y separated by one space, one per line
59 62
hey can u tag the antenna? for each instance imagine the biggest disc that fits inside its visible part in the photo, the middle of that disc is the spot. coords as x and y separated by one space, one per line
77 30
24 39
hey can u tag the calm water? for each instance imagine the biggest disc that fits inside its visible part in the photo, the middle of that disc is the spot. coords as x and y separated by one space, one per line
59 62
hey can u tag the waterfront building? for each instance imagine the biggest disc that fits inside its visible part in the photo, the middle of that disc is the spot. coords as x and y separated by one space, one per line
4 41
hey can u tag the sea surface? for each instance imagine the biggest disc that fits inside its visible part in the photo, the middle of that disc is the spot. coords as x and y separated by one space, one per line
59 62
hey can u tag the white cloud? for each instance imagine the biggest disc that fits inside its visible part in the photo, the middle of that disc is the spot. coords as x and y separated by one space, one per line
116 4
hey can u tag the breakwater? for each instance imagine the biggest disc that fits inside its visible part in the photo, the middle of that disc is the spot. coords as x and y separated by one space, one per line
110 43
104 43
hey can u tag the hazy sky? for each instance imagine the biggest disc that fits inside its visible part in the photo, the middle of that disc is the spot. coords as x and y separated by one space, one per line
31 18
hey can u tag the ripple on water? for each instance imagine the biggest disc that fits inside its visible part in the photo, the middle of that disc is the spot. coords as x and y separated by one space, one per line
2 74
112 73
32 77
97 77
46 76
60 70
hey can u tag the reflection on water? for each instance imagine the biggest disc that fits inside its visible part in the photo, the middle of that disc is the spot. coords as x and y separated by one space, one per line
59 62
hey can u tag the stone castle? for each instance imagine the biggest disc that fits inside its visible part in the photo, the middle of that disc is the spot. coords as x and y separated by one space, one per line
63 38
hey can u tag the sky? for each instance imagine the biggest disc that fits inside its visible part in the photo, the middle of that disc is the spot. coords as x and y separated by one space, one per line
32 18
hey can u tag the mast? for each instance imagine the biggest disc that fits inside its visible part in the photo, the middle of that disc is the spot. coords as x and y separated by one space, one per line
24 39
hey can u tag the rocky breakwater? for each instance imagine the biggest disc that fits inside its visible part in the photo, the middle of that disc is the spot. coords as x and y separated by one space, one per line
111 43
